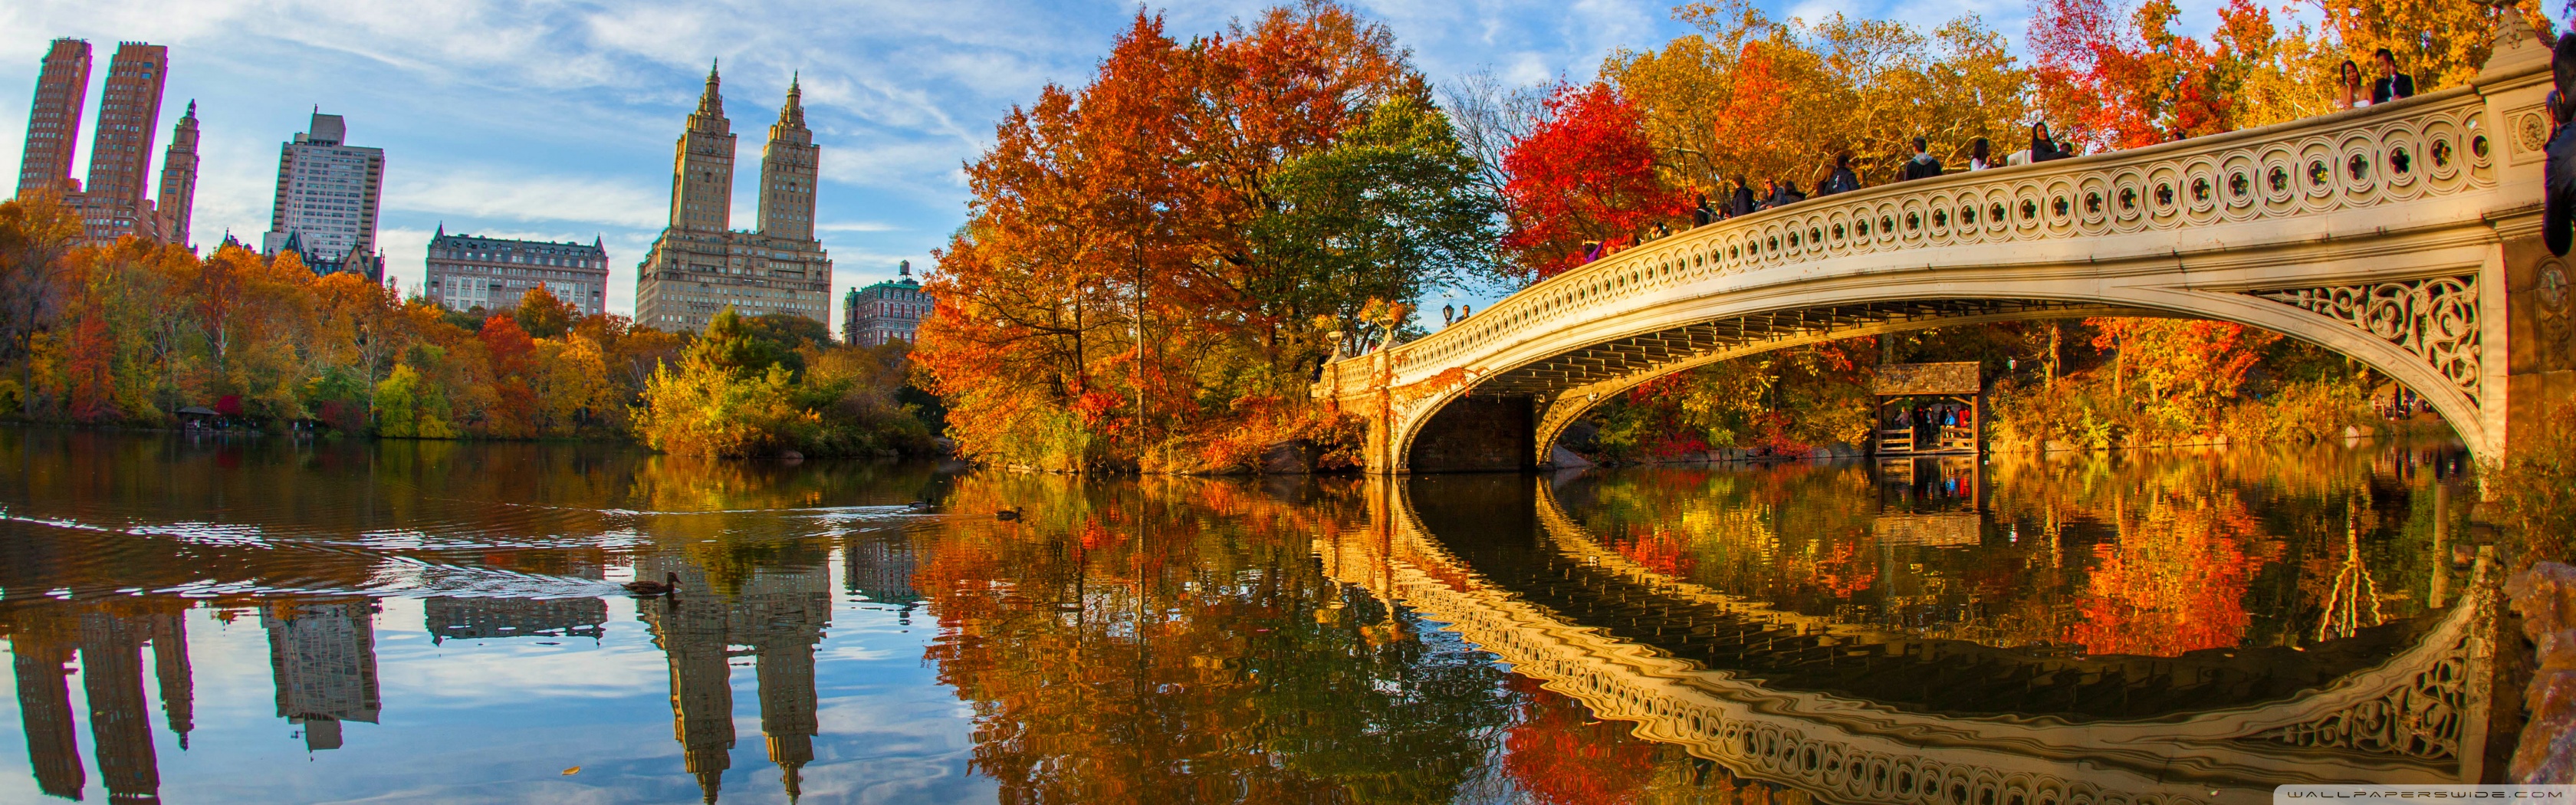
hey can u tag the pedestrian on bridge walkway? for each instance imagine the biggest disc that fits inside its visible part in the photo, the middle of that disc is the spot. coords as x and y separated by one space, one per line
1839 180
2392 84
1922 166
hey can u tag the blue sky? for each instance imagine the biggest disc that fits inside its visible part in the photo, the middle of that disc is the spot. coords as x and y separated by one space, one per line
555 119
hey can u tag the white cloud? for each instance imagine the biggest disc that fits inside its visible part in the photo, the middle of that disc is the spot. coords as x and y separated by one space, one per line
485 194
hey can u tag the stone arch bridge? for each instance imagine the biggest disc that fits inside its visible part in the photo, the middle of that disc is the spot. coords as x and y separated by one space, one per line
2405 236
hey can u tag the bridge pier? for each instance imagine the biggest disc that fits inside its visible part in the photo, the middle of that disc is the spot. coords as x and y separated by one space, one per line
2540 364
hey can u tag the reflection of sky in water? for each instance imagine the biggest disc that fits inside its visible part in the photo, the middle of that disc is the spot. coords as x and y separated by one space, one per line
498 720
1215 650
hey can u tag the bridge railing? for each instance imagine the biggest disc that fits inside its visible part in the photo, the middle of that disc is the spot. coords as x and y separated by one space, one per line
2430 145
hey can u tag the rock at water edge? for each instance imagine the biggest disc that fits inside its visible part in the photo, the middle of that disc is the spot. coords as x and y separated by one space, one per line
1564 459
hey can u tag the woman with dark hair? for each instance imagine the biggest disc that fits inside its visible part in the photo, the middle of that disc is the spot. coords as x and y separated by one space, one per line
2043 147
2348 78
1980 155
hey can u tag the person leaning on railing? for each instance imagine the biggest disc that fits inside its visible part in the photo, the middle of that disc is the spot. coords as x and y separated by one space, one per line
2349 76
1922 166
1743 202
1840 179
2043 147
2392 84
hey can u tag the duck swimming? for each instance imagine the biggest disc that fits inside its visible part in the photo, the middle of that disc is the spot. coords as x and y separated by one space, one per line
1007 514
669 584
922 506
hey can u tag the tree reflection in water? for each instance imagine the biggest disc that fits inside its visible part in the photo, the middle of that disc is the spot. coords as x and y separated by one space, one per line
1124 640
2151 556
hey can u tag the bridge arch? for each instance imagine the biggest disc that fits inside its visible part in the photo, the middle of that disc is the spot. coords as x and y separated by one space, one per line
2388 234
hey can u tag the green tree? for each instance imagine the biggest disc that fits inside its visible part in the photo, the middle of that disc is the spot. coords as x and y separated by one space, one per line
409 408
1389 212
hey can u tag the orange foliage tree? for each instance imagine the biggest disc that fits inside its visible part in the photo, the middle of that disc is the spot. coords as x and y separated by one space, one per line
1153 265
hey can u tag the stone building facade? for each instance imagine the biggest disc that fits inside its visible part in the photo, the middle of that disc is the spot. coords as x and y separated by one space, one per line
465 272
700 265
886 311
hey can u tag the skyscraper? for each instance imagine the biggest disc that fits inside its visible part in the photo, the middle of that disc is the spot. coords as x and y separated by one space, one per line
120 718
789 167
179 179
323 657
700 265
53 121
120 151
42 660
325 207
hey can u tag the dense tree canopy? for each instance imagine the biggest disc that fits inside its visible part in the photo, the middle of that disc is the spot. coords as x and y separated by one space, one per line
1155 264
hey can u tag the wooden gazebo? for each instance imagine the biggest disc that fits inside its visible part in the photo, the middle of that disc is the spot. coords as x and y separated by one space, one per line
1927 408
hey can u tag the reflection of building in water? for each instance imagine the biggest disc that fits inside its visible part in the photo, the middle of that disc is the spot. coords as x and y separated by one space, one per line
881 569
120 716
484 618
1928 485
776 618
120 721
170 666
324 658
45 711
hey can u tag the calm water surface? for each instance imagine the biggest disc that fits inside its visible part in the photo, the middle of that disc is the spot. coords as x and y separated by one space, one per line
261 620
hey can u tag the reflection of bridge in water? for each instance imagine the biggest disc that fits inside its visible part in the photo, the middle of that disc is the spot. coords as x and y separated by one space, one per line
1851 712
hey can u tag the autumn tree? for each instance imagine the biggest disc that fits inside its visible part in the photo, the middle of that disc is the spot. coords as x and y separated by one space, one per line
1586 174
1751 96
542 315
2115 76
1153 264
37 233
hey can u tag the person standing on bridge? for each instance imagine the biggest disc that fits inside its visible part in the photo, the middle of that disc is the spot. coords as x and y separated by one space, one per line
2043 147
1922 166
1785 193
1841 179
1701 215
1980 155
2349 76
2392 84
1743 202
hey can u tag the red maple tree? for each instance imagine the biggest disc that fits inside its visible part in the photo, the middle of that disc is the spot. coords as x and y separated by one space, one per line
1585 174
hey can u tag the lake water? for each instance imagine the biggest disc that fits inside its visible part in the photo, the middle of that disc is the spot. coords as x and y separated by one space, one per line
265 620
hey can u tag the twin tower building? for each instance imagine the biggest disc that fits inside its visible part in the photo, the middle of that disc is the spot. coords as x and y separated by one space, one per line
701 264
328 194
